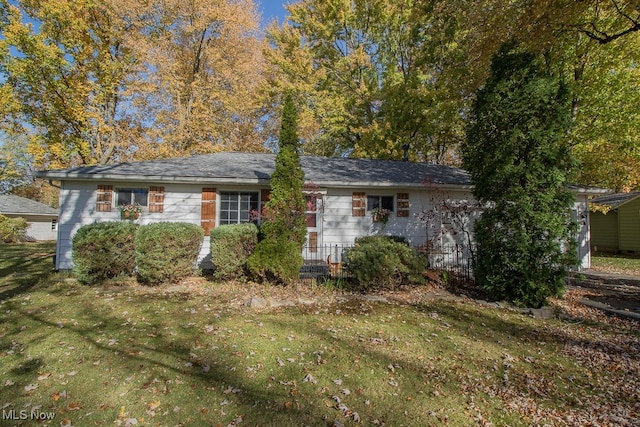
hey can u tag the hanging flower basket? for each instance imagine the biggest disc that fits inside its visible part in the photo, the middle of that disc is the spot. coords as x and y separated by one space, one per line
131 211
380 215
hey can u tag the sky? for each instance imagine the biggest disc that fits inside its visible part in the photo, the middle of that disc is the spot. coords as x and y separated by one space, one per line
272 9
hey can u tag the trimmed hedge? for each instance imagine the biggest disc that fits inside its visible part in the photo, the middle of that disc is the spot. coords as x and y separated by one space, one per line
104 250
231 246
167 251
384 261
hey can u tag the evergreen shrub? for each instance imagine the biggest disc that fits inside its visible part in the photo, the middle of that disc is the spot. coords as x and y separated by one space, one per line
278 255
167 251
276 261
104 250
384 261
521 163
231 246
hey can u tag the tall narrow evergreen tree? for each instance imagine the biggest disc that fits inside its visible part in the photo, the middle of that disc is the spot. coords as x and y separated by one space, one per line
278 256
520 165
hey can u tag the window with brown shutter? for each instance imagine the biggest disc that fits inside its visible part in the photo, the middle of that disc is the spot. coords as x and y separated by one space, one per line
104 198
402 201
358 204
156 199
208 213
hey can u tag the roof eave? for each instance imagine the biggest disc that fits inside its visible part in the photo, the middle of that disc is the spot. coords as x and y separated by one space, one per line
589 191
615 206
148 178
63 176
28 213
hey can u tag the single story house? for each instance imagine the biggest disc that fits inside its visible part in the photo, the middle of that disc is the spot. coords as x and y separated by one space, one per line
42 219
615 223
224 188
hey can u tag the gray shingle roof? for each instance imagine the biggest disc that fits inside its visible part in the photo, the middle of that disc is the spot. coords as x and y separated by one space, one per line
258 167
615 200
10 204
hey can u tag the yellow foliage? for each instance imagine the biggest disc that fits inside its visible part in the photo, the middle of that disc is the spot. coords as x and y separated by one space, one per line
604 209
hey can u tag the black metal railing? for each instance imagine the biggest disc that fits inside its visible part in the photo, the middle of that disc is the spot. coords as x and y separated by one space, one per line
455 259
324 261
328 261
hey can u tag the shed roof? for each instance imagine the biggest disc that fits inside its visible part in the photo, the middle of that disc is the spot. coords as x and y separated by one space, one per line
614 201
234 167
15 205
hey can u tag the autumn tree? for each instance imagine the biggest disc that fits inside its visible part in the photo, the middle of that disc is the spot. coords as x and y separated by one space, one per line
108 80
65 65
601 75
278 255
370 73
205 79
521 166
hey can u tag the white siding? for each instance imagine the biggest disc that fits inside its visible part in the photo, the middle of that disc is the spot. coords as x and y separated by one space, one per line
581 209
340 227
182 202
41 228
78 207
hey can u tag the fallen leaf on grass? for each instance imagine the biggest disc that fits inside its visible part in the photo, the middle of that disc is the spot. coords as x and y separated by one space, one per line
153 405
73 406
231 390
310 379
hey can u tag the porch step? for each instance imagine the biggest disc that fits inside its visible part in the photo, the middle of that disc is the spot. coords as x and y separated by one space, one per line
314 270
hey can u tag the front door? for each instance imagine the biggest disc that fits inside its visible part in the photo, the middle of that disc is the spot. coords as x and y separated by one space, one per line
313 248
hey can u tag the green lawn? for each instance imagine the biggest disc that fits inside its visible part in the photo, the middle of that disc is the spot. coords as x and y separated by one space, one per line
624 264
193 354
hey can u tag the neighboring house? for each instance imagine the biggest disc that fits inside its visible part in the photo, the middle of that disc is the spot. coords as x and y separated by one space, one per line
42 219
615 223
224 188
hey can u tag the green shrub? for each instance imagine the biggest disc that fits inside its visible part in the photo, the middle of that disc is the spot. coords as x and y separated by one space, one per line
167 251
276 261
384 261
12 229
278 255
104 250
231 246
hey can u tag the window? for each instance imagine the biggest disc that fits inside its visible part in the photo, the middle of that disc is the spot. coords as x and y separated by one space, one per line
311 210
129 196
236 208
54 224
380 202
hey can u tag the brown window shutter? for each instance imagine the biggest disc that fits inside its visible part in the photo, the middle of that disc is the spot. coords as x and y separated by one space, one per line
104 198
208 214
313 242
402 201
156 199
358 204
265 196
